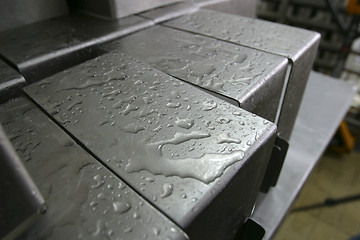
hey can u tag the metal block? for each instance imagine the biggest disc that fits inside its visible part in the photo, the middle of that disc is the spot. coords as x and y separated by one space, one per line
168 12
205 3
298 45
10 82
41 49
245 8
84 199
114 9
20 200
246 77
195 157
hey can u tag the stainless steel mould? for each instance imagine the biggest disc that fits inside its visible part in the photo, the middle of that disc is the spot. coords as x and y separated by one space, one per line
10 81
114 9
44 48
171 11
16 214
84 199
199 160
245 77
164 13
164 133
298 45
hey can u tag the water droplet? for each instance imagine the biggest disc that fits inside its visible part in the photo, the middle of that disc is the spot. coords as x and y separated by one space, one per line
209 105
129 108
98 181
134 128
157 129
173 105
257 136
103 122
110 232
156 231
101 196
149 179
121 207
195 209
167 190
223 120
73 104
176 94
121 185
184 123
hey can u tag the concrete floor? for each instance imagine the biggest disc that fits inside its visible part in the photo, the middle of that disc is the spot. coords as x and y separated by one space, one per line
335 176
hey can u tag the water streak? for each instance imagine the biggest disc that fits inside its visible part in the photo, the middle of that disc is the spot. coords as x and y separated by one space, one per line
184 122
225 138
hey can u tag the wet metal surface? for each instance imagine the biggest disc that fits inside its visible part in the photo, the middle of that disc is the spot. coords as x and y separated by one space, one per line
297 44
252 78
204 3
18 13
16 185
10 81
170 11
41 49
114 9
195 157
84 199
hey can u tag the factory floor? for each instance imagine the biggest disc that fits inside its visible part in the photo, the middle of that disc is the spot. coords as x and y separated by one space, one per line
335 176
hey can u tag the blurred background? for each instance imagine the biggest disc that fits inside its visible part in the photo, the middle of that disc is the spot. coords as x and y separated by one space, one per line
337 174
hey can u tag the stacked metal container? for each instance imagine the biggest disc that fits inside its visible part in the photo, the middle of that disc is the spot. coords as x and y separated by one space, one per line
166 132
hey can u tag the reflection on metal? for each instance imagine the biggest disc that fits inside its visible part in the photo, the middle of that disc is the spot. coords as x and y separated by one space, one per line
239 7
196 158
297 44
41 49
10 82
276 162
168 12
114 9
204 3
252 78
20 199
184 154
84 199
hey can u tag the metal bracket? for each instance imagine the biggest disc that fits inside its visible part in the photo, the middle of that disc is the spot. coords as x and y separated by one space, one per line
275 164
252 230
